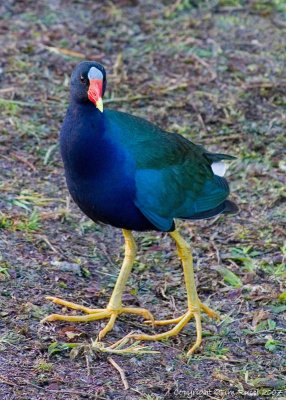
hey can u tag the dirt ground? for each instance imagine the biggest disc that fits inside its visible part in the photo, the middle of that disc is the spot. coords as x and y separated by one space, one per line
212 71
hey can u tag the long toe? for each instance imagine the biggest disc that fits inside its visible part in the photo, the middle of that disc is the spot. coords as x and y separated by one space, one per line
211 313
143 312
77 318
181 322
164 322
198 342
165 335
108 327
73 306
94 314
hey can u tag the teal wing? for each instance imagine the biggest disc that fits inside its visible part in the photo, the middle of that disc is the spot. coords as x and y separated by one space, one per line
173 176
177 192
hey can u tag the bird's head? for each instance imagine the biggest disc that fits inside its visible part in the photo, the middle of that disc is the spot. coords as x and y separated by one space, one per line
88 83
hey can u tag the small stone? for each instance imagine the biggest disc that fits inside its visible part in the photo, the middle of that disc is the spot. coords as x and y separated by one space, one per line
65 266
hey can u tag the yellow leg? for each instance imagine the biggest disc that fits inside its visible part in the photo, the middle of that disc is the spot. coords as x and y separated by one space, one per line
194 305
114 307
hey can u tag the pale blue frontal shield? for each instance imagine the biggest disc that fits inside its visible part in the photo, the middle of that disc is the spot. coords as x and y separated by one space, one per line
94 73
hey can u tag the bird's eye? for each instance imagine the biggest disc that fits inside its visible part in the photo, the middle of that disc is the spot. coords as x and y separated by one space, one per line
82 79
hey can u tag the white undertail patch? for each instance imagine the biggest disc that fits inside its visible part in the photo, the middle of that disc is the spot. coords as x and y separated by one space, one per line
219 168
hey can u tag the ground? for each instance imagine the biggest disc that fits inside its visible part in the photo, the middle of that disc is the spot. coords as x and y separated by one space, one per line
212 71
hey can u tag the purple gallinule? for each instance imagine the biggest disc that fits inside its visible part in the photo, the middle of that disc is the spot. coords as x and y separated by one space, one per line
124 171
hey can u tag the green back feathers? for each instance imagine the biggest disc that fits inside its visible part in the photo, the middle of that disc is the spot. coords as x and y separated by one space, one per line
173 176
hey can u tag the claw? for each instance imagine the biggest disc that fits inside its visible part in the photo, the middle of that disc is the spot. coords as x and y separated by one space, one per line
94 314
180 323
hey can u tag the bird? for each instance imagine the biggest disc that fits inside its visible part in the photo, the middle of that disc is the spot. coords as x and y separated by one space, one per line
127 172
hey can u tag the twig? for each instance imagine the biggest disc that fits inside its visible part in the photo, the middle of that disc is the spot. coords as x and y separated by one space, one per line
231 9
121 372
61 391
102 247
121 342
3 379
217 253
201 93
119 347
214 221
65 52
24 161
19 103
8 89
46 240
182 85
171 9
264 84
201 121
206 65
199 117
87 364
278 22
152 94
126 99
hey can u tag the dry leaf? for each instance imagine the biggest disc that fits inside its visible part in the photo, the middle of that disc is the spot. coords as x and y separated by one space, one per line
259 316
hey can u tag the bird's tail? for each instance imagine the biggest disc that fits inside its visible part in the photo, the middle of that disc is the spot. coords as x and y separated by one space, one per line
227 207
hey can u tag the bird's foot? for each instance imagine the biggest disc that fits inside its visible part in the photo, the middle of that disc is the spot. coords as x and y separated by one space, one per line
181 322
211 313
94 314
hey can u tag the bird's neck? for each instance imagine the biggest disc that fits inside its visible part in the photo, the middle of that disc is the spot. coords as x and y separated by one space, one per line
85 108
83 123
82 138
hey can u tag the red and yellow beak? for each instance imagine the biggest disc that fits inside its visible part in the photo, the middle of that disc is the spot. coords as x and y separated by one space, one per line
95 93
